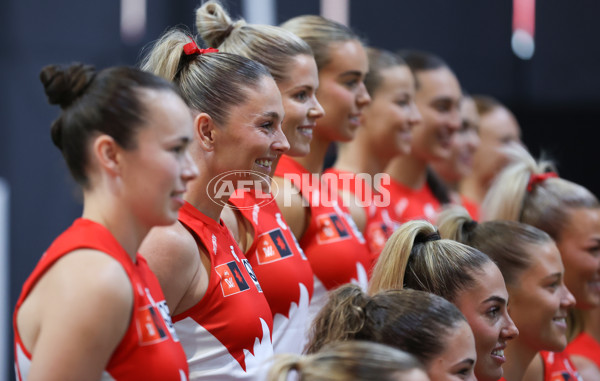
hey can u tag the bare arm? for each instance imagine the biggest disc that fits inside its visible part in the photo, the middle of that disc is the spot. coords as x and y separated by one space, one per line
173 255
76 316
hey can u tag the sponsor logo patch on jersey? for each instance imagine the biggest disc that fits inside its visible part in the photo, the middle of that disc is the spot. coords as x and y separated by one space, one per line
331 228
272 246
232 280
150 326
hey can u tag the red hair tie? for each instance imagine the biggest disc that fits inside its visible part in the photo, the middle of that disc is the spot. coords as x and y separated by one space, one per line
537 178
191 48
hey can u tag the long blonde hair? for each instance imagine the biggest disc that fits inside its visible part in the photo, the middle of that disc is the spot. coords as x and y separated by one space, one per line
272 46
415 257
343 361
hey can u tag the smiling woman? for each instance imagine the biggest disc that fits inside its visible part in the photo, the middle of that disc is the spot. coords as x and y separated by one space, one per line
531 265
252 216
415 257
420 323
124 135
219 308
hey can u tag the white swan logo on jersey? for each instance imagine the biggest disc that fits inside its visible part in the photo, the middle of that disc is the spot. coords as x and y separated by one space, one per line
331 229
272 246
252 275
214 243
232 280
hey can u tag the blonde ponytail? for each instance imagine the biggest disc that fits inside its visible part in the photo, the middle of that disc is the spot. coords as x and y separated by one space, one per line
272 46
388 273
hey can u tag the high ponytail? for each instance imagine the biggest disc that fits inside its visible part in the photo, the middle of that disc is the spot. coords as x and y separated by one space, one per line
414 257
211 82
272 46
390 269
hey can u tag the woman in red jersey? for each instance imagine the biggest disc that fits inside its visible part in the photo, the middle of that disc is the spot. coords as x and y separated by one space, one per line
460 163
415 257
335 248
415 192
385 132
424 325
92 309
530 192
531 265
219 308
252 216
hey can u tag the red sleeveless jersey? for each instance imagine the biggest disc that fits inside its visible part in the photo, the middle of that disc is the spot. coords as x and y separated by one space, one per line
149 350
227 334
281 267
584 345
336 250
558 367
408 204
378 226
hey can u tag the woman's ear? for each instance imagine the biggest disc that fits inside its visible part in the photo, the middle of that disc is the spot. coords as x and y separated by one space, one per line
108 154
205 131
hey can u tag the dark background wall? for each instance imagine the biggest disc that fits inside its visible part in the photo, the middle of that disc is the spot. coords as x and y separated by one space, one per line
554 95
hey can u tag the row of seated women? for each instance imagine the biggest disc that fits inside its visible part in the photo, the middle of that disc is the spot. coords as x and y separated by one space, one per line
212 245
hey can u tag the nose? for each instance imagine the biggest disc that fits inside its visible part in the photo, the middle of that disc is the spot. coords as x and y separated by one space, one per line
362 96
454 119
510 330
567 300
414 116
316 111
190 169
473 141
280 143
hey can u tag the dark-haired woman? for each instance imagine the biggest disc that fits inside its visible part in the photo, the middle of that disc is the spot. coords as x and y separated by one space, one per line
92 309
420 323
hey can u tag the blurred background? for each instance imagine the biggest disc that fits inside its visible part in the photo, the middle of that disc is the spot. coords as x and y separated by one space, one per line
555 95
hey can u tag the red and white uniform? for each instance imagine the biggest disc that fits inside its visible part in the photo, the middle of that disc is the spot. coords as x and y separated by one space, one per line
408 204
227 334
336 250
149 349
558 367
281 267
379 225
584 345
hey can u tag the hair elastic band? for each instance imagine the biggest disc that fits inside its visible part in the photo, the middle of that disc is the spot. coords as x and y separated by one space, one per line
427 237
191 48
537 178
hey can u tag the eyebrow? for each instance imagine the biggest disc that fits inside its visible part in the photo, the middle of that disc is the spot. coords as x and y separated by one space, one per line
271 114
351 72
470 362
495 298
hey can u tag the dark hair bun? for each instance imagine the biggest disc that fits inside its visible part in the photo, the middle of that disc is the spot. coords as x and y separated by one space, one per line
64 84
